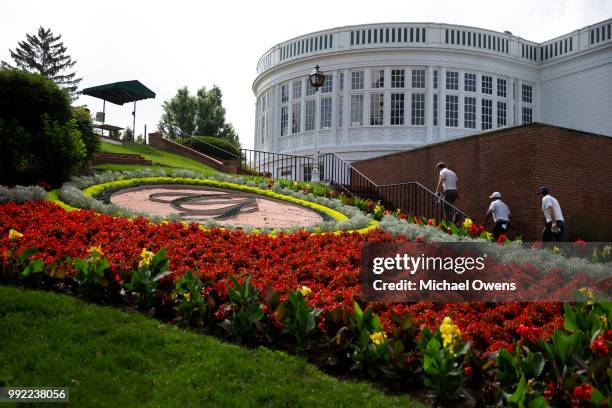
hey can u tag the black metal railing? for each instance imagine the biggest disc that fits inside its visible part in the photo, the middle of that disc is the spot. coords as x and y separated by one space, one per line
275 165
206 148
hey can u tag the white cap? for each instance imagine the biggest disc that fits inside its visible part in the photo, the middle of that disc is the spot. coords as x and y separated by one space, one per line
496 194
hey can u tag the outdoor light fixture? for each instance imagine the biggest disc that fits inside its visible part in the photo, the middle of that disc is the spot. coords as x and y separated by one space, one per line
317 79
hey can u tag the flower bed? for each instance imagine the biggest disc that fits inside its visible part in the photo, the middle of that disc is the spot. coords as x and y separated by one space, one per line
294 291
82 192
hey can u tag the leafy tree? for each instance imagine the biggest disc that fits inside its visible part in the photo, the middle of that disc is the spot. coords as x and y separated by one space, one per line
179 115
85 125
201 114
128 134
40 136
43 53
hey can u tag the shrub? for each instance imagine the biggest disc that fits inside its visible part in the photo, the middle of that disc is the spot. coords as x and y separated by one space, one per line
221 144
39 138
85 125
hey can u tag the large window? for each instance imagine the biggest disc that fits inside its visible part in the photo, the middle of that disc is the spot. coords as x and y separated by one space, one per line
501 87
435 79
527 94
469 113
376 109
452 110
487 114
501 114
397 108
470 82
487 85
357 80
297 90
310 90
328 84
398 78
326 112
357 110
435 110
418 109
341 81
296 117
309 120
378 78
284 93
527 115
340 111
452 80
284 120
418 78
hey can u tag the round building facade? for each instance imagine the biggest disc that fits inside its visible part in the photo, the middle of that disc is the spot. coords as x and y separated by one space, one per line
392 87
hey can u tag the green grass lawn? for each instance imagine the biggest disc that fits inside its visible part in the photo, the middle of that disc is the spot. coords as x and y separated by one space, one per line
158 157
115 359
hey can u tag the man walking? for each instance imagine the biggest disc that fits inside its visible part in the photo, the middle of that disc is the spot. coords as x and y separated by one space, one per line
448 182
555 224
501 215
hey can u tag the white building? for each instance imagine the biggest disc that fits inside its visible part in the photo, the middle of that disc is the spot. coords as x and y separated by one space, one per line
391 87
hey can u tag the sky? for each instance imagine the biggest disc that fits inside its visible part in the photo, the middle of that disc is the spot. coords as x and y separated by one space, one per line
170 44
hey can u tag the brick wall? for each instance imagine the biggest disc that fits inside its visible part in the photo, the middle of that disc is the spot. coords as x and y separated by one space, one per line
575 166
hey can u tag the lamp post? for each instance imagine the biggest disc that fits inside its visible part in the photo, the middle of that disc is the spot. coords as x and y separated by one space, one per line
317 79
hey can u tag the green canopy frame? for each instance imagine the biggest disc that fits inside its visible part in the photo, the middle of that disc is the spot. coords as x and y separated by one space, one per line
120 93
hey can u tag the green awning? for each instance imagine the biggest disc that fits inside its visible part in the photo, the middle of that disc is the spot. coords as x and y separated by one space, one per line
120 92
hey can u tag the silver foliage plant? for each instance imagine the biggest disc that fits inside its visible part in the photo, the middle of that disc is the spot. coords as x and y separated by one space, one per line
71 193
510 253
21 194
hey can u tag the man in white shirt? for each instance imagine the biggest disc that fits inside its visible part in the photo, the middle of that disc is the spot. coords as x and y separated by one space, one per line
448 182
555 224
501 215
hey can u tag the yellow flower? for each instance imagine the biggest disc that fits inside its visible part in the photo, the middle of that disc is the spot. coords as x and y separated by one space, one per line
467 223
15 235
145 257
588 292
378 338
555 250
450 332
95 253
187 297
489 236
305 291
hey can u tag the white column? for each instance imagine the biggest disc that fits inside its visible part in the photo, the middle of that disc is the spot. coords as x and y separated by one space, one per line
346 114
275 133
429 103
461 100
519 102
511 109
442 103
479 97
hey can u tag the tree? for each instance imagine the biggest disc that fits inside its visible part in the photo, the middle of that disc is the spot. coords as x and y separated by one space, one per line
179 114
40 133
202 114
43 53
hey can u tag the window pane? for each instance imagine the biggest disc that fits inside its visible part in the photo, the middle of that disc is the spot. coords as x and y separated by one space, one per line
418 109
326 112
376 109
418 78
397 108
378 78
397 78
296 117
487 114
469 116
357 110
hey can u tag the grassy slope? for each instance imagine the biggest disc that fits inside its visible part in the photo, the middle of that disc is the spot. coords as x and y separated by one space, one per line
158 157
111 358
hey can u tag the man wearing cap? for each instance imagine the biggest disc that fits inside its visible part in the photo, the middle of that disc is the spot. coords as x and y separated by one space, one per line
555 224
448 182
501 215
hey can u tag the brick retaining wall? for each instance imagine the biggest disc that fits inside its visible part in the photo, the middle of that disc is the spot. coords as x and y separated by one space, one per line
575 166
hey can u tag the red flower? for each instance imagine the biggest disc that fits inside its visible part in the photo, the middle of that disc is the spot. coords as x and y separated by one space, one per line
583 392
609 335
599 347
501 240
467 370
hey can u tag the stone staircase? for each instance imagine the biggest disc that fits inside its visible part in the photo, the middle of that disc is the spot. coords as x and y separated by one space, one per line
120 158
